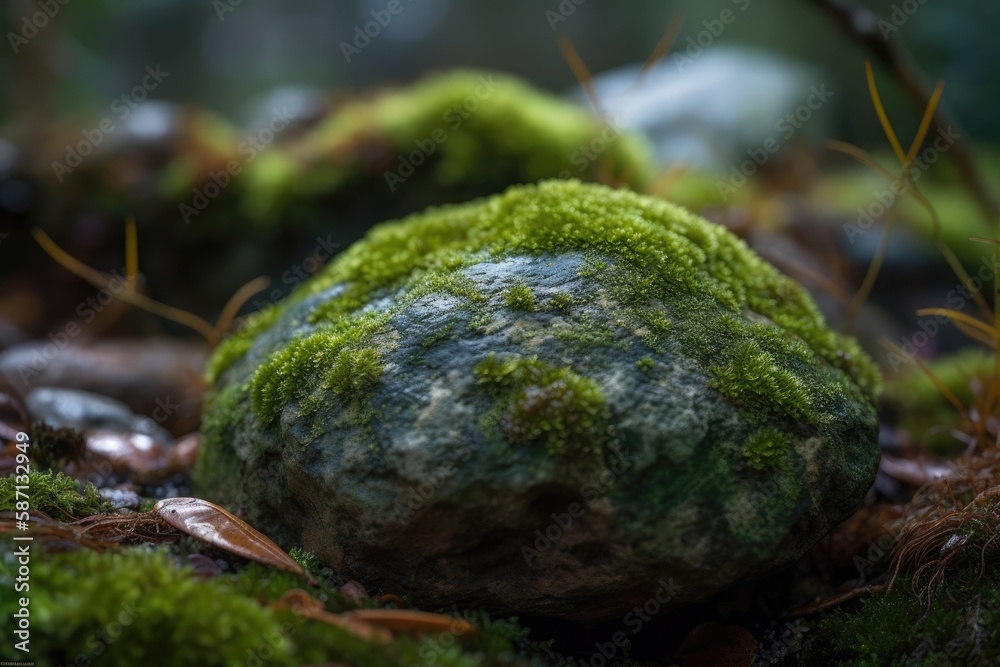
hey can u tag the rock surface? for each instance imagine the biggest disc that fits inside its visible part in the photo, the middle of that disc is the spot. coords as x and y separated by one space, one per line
565 400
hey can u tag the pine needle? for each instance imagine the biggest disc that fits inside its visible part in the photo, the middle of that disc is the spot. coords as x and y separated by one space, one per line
882 117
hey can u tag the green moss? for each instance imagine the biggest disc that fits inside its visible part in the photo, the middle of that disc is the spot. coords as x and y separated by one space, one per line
542 404
958 626
354 371
679 278
218 467
334 354
137 607
520 297
767 449
514 134
53 493
561 301
237 345
752 377
645 364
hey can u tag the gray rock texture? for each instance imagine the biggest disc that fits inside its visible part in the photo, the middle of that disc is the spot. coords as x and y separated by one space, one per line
551 433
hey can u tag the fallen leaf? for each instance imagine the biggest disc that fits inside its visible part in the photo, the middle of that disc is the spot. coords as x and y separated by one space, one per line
303 604
416 622
374 624
717 645
213 525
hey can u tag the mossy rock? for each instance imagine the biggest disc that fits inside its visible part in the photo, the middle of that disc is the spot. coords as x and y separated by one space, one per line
547 401
463 131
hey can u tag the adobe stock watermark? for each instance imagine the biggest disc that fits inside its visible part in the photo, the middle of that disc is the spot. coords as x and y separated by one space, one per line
713 29
548 537
562 12
418 496
634 621
251 146
381 18
30 25
784 129
101 640
879 547
883 199
901 13
782 645
120 109
957 299
453 118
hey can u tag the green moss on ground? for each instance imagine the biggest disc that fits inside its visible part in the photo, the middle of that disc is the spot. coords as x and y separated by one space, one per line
53 493
958 627
138 607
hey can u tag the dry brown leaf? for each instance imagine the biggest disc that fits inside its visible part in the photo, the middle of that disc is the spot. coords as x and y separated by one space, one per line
209 523
416 622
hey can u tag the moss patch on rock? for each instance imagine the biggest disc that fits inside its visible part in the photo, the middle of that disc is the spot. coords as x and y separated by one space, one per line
661 249
539 403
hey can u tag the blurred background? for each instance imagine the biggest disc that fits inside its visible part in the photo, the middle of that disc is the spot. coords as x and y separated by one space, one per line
225 55
113 109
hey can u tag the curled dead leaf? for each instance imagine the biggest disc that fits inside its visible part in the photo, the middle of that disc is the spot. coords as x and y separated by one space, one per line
209 523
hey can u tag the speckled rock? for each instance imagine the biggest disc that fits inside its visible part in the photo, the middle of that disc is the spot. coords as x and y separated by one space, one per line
564 400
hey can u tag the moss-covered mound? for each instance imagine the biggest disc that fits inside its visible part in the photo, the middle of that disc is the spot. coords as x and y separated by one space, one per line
309 187
545 401
462 132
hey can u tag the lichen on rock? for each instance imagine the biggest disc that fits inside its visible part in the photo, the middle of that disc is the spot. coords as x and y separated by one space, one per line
553 331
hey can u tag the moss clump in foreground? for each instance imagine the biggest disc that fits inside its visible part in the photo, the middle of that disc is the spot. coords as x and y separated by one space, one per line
138 607
53 493
958 627
662 254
